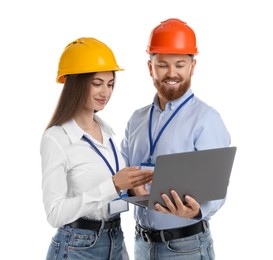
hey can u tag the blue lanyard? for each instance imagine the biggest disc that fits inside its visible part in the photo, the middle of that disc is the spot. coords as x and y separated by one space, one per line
153 145
102 156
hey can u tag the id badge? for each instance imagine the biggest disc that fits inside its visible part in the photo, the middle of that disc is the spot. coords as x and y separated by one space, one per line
147 166
118 205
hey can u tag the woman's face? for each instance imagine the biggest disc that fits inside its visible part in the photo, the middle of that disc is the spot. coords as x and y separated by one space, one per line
101 88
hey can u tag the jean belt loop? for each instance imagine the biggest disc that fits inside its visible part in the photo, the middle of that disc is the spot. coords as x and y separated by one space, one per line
162 236
205 225
101 228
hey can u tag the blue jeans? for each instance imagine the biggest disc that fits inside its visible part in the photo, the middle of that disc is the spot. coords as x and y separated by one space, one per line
196 247
81 244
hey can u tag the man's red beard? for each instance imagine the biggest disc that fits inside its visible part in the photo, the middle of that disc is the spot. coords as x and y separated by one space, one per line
170 93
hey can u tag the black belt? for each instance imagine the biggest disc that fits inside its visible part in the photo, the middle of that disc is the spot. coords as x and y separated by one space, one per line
154 236
95 225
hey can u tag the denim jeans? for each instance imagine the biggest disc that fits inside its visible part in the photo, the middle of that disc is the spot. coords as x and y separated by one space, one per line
196 247
82 244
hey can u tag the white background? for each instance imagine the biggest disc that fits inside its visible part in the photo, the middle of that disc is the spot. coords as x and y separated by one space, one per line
233 74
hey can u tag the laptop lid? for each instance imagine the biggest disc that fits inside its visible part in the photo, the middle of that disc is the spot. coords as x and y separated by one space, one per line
204 175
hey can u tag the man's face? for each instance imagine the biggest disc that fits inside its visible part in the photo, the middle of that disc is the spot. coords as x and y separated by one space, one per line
171 74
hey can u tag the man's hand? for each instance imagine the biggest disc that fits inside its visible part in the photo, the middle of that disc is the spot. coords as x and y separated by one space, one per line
190 209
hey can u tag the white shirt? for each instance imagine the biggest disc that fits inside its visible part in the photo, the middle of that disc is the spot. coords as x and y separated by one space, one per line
76 182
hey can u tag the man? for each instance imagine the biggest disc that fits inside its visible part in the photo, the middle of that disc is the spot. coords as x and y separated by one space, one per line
176 121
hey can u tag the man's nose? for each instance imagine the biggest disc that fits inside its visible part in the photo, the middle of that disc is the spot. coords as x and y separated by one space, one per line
171 71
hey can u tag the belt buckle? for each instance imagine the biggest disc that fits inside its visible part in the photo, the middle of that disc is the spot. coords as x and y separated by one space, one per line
146 236
112 224
144 233
115 223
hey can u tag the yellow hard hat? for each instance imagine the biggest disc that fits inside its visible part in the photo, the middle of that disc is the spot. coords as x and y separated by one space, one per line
86 55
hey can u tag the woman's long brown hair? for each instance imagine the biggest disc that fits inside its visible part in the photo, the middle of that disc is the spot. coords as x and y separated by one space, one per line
73 98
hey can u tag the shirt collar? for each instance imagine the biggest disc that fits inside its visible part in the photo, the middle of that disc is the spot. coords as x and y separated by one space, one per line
172 105
75 133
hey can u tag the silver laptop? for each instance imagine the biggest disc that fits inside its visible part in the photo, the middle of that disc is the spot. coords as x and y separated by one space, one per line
204 175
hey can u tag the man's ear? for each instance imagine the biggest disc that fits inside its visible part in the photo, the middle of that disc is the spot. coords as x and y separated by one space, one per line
150 68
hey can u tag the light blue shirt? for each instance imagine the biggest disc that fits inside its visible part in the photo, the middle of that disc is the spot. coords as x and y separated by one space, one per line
196 126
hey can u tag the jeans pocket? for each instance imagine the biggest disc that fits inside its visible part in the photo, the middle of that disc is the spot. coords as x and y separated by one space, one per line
184 246
53 250
82 241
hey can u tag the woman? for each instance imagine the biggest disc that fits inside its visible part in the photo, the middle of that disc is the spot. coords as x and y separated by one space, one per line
82 181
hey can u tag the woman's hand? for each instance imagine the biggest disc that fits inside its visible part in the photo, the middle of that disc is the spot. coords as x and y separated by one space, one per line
131 177
140 190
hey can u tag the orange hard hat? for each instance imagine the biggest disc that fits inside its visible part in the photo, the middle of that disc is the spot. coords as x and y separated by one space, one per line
172 36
